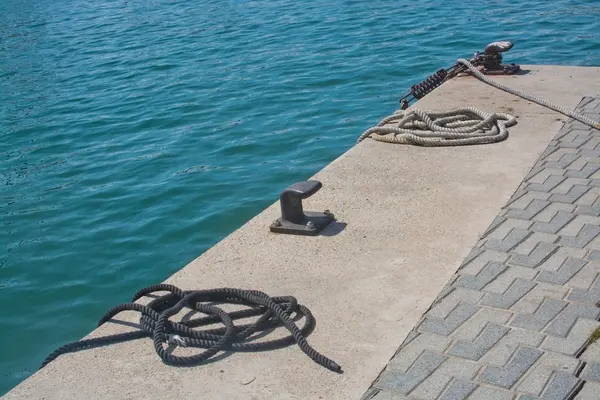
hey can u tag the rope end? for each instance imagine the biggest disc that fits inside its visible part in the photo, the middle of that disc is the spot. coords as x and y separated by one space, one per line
597 126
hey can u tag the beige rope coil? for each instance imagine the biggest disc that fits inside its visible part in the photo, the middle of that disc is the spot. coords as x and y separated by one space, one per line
463 126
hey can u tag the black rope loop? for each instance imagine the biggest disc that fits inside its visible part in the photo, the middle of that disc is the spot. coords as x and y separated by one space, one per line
156 323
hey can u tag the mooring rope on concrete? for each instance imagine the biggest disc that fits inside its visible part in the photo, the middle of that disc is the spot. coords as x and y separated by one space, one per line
463 126
154 322
526 96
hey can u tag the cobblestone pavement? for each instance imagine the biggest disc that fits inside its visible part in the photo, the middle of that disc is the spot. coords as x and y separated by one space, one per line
516 319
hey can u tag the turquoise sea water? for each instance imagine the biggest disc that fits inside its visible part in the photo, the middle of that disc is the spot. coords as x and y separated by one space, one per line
136 134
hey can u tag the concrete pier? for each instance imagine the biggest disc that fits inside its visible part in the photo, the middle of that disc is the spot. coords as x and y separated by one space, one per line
408 219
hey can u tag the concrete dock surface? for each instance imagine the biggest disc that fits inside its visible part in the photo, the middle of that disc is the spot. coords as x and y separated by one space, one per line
520 218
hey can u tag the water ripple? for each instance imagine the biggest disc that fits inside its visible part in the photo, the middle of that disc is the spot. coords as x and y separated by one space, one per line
136 134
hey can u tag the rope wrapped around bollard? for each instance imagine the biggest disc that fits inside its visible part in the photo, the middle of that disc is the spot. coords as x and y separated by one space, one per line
155 323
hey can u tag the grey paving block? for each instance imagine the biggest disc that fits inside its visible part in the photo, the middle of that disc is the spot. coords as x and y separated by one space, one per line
490 393
566 271
549 184
535 207
583 238
475 264
511 240
592 353
440 379
485 276
458 389
574 342
588 170
567 318
561 386
508 375
594 255
552 147
500 353
543 372
503 282
499 220
572 196
378 394
409 353
490 335
593 210
575 143
417 373
591 296
566 158
549 309
591 372
590 391
517 290
558 222
446 304
539 254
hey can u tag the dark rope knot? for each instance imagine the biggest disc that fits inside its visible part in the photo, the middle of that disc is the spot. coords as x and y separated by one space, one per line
155 322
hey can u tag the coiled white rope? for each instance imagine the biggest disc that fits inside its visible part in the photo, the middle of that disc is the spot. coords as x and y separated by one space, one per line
463 126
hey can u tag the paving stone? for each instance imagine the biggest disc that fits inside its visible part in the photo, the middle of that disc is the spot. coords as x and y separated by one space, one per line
536 238
592 353
590 391
550 211
489 393
536 206
549 184
542 316
407 355
537 269
566 158
585 236
558 222
405 382
477 263
511 240
566 271
458 295
471 329
490 335
458 389
539 254
543 372
517 289
503 282
594 255
561 386
434 385
378 394
525 200
485 276
539 174
588 170
591 296
498 221
502 351
574 341
584 278
567 318
593 210
592 373
532 301
572 196
508 375
589 198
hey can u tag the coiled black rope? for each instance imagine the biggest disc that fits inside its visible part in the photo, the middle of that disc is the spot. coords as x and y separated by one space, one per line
429 84
155 323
